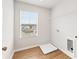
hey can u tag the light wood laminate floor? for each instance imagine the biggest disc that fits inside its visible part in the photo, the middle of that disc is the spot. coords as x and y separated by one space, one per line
36 53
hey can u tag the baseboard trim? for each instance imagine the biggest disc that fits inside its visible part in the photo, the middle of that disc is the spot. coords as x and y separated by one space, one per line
26 48
12 55
67 53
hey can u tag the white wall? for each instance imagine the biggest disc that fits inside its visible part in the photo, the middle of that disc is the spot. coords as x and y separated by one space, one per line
8 22
64 19
43 26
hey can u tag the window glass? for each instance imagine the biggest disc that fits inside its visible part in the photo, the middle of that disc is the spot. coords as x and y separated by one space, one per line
28 23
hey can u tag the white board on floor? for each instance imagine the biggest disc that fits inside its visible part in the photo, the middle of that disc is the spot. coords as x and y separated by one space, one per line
47 48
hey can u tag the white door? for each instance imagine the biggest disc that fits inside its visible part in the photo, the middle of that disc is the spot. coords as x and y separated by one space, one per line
7 31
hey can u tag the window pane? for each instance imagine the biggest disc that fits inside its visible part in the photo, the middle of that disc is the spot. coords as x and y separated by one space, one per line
28 23
28 17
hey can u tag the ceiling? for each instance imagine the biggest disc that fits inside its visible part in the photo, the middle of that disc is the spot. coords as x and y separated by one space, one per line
42 3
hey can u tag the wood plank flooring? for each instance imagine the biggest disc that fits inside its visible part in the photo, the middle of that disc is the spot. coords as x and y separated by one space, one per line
36 53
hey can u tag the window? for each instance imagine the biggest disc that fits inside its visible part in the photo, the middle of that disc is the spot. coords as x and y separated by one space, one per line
28 23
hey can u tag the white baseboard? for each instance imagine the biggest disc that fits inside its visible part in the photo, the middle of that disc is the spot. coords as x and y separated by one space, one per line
26 48
21 50
68 53
12 55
